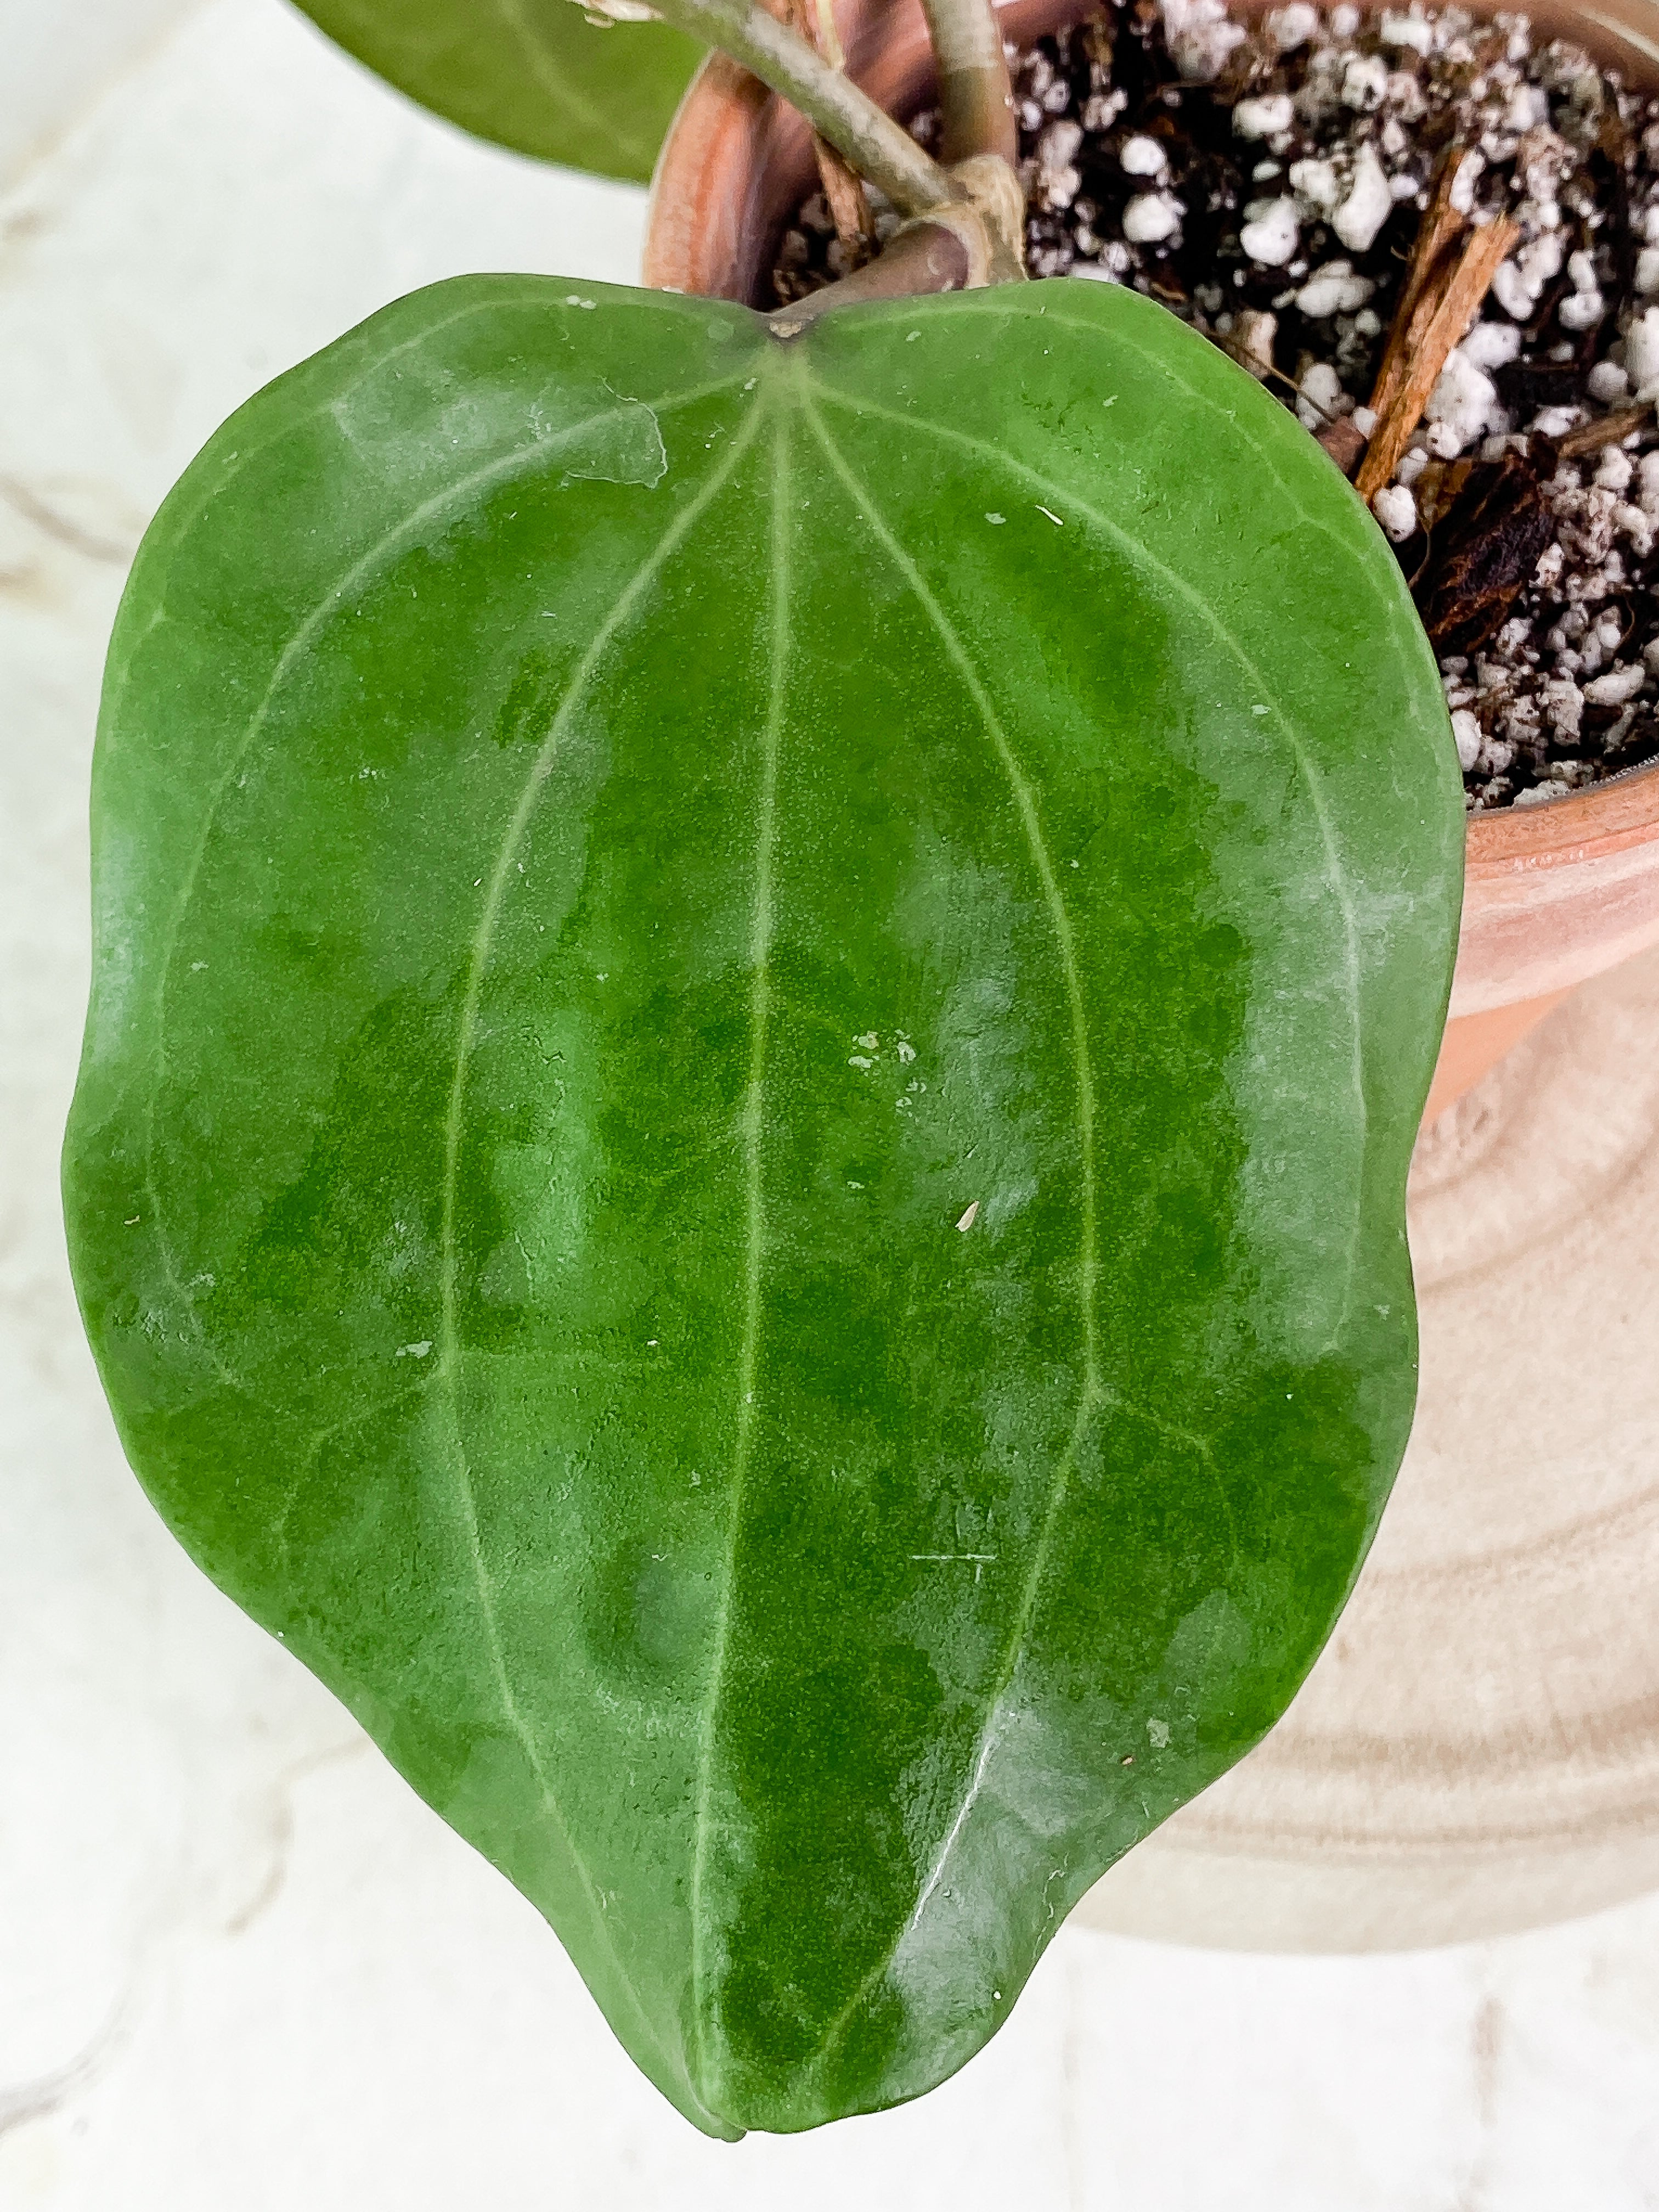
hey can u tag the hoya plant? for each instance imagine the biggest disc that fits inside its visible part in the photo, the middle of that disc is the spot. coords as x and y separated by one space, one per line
761 989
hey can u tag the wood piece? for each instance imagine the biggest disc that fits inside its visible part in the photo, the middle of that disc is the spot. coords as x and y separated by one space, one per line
1606 430
1444 312
1343 442
1439 228
843 189
1406 342
1441 224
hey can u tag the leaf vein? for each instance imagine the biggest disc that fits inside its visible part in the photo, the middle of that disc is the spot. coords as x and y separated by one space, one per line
361 572
1139 552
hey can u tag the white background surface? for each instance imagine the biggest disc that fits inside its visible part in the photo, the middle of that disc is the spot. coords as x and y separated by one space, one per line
241 1966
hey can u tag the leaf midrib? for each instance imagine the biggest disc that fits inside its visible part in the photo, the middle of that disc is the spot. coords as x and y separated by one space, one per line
449 1346
752 1134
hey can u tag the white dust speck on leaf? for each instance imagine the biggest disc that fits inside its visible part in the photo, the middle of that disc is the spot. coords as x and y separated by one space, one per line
1052 516
907 1051
576 300
197 967
1159 1733
414 1351
996 518
858 1060
910 336
868 1042
969 1218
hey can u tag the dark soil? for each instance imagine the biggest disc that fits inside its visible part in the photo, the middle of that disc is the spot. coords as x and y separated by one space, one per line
1266 183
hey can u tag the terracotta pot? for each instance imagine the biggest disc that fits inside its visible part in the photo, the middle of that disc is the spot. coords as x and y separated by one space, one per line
1554 893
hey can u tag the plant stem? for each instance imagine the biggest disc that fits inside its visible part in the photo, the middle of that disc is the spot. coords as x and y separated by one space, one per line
924 257
881 151
975 97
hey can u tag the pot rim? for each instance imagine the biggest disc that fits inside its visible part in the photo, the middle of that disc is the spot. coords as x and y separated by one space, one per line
1610 816
725 107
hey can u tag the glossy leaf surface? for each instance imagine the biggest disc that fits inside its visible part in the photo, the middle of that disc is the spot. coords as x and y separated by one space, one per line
759 1012
534 75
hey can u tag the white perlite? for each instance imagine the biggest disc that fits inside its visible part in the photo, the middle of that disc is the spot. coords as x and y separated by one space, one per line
1057 181
1265 118
1368 205
1315 185
1519 282
1586 307
1617 688
1470 168
1407 31
1642 354
1491 345
1467 736
1273 236
1334 289
1143 157
1396 510
1365 81
1292 26
1150 217
1200 37
1322 396
1461 405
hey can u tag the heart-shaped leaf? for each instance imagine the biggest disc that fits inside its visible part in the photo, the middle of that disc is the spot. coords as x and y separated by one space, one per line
535 75
759 1012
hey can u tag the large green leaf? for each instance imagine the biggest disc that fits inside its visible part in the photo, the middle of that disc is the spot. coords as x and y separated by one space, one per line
759 1012
535 75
